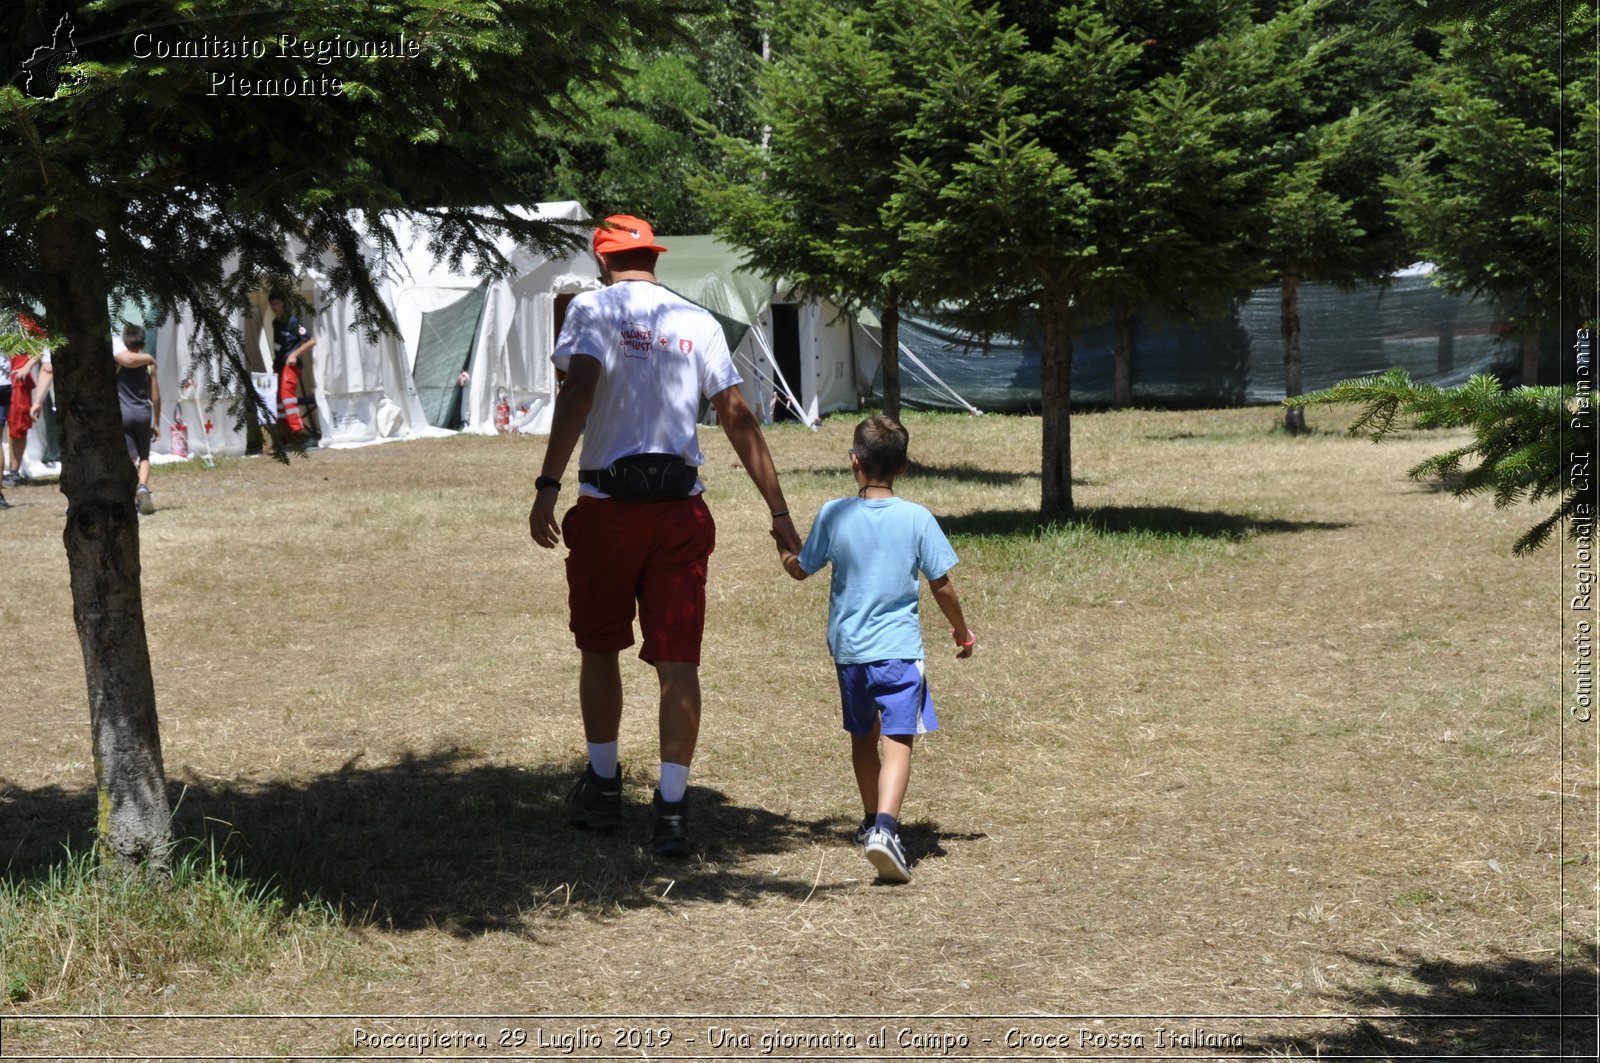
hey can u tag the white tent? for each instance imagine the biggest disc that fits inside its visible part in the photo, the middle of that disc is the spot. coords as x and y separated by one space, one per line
517 321
362 387
800 358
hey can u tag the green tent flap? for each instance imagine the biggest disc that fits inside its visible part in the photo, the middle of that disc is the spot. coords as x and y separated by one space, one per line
706 270
444 347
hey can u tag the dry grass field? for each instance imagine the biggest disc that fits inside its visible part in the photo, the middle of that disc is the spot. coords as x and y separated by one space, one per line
1271 744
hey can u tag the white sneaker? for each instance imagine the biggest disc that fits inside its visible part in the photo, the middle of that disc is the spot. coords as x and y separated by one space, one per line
143 502
888 856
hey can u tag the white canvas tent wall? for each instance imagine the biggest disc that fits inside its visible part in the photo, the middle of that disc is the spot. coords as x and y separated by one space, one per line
835 364
362 386
516 329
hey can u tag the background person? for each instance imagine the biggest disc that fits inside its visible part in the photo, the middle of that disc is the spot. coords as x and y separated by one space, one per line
22 410
292 341
140 398
5 417
637 360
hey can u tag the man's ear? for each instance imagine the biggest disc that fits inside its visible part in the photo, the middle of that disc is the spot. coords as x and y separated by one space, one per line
904 465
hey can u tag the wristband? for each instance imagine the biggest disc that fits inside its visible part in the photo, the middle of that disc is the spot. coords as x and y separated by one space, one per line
780 514
544 481
972 638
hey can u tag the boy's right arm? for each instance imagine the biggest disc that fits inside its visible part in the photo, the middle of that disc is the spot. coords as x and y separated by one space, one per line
790 559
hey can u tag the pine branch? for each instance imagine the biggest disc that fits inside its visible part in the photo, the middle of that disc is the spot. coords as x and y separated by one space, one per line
1522 443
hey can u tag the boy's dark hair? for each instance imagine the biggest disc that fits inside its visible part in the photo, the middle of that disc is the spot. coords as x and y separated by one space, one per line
881 444
133 336
633 259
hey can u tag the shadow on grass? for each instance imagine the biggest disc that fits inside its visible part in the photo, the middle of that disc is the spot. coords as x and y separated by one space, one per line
956 473
972 474
1158 521
440 841
1502 1007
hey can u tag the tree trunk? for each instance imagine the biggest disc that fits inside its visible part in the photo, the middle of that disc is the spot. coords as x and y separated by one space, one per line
1447 337
1530 357
1055 386
891 358
1124 320
102 544
1294 419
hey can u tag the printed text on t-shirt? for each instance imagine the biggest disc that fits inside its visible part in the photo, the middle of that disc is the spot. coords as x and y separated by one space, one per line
635 340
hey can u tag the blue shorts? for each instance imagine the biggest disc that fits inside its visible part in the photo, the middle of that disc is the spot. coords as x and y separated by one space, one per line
894 689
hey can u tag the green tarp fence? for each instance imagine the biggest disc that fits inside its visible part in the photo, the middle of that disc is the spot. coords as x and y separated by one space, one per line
1438 337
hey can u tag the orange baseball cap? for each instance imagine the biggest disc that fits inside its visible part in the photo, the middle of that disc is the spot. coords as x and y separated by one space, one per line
624 232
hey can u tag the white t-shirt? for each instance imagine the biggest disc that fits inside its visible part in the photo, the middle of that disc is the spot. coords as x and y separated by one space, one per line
658 354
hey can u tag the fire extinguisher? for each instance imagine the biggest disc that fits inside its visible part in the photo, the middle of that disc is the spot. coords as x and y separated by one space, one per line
502 412
180 437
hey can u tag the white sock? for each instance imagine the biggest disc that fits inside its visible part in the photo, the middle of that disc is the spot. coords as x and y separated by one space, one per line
603 759
674 782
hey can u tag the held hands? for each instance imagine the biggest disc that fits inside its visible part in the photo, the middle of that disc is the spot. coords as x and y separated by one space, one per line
967 644
783 530
788 541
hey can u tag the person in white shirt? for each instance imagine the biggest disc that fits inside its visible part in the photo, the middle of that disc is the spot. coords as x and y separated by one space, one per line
637 360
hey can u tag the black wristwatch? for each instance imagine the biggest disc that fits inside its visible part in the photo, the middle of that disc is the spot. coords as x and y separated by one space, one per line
544 481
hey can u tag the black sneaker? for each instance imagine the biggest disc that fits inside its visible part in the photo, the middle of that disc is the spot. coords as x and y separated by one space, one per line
867 823
670 835
888 856
596 803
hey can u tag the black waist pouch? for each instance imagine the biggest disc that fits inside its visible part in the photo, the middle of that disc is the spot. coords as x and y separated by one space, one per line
644 478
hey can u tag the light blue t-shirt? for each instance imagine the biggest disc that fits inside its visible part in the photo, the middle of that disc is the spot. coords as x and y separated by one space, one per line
877 547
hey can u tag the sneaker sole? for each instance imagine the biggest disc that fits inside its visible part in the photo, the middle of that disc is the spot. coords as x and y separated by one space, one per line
671 848
889 869
602 821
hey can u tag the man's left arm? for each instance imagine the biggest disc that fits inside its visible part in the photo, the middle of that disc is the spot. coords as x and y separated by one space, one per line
743 431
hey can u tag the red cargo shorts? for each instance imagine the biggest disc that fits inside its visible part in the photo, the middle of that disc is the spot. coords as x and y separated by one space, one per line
650 553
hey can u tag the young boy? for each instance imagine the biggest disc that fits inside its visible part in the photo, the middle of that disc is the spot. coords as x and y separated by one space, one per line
877 544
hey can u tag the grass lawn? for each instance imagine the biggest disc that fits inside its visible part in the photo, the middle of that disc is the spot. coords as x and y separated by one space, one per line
1270 745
